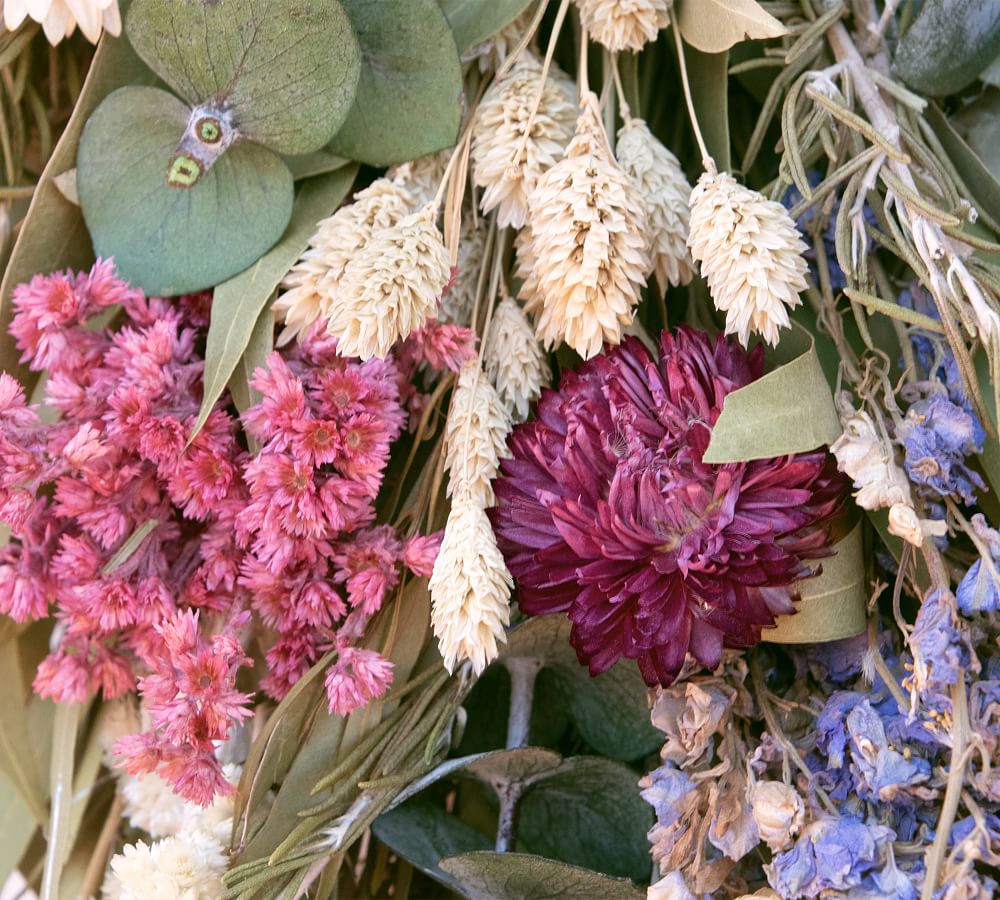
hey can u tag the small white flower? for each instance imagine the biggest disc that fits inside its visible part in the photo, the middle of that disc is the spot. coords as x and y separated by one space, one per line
906 524
624 24
186 867
59 18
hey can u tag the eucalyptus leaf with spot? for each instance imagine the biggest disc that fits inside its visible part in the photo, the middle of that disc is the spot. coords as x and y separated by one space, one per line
237 303
787 410
409 98
473 21
288 69
589 813
716 25
485 875
166 240
948 44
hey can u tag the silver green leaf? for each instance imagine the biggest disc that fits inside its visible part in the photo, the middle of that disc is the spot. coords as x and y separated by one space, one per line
167 240
473 21
484 875
288 69
409 99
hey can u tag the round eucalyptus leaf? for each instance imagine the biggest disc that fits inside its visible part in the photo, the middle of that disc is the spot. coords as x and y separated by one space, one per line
288 69
170 240
409 96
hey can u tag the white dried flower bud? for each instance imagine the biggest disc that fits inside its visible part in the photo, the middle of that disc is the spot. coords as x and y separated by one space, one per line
868 461
391 287
750 253
624 24
660 181
587 250
186 867
475 436
670 887
906 524
59 18
470 589
151 804
514 360
311 284
459 300
778 811
510 148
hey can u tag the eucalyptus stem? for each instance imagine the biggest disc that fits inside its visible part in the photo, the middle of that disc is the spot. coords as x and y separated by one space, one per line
523 673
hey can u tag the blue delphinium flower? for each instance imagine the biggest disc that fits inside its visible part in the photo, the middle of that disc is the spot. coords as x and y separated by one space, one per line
832 854
978 591
938 435
882 773
939 643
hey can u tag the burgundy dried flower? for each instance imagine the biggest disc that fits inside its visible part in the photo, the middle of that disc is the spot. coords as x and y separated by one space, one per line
607 512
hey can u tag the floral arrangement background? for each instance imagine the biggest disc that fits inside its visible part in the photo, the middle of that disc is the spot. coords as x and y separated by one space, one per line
510 449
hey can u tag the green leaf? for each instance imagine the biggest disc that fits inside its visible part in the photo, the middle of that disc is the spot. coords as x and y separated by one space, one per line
237 303
977 123
610 711
18 759
834 603
287 69
484 875
319 162
709 75
130 545
589 813
410 92
17 825
53 236
423 834
716 25
168 240
473 21
948 45
980 181
61 788
255 355
788 410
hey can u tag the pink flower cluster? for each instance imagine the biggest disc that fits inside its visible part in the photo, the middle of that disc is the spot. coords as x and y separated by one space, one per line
276 552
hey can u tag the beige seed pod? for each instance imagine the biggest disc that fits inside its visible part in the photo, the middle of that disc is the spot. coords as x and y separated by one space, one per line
750 254
660 181
587 250
510 148
311 284
475 436
514 360
624 24
391 287
470 589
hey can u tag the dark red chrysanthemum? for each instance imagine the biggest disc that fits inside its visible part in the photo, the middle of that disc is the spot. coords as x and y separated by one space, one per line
607 512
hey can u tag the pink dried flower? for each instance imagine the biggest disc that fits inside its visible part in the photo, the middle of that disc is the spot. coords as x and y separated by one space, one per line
357 677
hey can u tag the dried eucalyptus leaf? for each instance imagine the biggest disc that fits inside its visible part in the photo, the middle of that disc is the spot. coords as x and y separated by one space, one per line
288 69
788 410
423 834
523 764
949 43
716 25
473 21
589 813
484 875
237 302
409 95
165 240
53 236
18 760
833 604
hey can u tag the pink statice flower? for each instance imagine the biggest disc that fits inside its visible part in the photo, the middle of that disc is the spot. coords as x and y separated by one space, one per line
356 677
